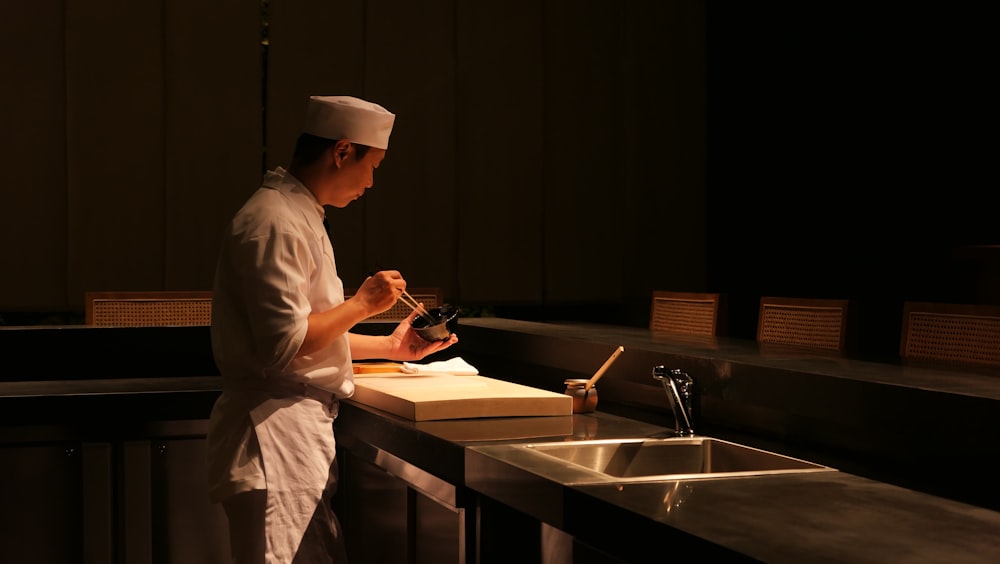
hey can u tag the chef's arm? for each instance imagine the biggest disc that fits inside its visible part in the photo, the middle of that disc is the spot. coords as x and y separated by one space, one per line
366 347
377 293
325 327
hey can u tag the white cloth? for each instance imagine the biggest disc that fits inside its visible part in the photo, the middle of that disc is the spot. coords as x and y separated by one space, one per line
457 366
276 266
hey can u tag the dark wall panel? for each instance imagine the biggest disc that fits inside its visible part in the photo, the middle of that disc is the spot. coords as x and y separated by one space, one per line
114 140
532 140
664 105
499 119
410 212
213 129
33 155
584 151
140 132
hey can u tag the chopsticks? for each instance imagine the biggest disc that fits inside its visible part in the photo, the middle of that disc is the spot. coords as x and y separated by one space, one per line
417 307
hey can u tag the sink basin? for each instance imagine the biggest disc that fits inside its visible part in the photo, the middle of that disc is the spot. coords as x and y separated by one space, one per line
629 460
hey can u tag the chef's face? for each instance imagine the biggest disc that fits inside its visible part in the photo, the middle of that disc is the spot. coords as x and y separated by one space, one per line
355 175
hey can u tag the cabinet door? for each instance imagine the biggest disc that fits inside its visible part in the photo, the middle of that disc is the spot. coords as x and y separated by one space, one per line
42 518
439 531
187 526
373 508
387 519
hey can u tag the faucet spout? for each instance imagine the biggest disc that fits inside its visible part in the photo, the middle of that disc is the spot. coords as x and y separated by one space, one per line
679 387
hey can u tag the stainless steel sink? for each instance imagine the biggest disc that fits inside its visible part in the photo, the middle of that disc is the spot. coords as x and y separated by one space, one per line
631 460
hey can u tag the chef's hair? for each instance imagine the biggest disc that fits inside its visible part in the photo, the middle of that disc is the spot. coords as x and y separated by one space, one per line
309 148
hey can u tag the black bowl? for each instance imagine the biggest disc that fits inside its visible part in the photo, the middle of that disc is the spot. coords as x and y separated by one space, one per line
445 320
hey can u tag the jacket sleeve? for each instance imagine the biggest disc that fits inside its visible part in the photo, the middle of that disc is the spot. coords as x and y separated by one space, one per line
273 267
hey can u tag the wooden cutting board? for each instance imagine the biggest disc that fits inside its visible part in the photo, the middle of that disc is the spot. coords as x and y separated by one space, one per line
429 397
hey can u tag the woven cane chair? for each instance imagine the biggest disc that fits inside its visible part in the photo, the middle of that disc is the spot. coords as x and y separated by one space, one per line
807 323
429 297
148 309
953 334
687 313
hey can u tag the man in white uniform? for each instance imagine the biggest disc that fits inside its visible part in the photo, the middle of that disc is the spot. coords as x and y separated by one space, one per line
280 336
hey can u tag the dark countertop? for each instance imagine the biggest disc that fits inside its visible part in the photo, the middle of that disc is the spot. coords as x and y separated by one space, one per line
923 427
836 517
940 422
798 518
828 516
105 409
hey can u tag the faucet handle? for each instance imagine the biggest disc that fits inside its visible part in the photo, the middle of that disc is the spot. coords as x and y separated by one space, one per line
661 372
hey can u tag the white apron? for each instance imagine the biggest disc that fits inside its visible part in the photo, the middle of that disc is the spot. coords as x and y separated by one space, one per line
286 447
265 433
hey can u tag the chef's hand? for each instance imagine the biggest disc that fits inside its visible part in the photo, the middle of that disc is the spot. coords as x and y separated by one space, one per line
380 291
406 345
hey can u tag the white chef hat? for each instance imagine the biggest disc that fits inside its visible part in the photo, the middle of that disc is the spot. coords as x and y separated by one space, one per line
347 117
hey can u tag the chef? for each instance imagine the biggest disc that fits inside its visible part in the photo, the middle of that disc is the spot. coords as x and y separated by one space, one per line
281 339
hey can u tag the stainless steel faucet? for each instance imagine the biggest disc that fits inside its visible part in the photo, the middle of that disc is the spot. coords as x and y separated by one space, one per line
680 391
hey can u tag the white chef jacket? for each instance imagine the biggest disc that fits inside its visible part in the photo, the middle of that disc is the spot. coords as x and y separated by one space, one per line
276 266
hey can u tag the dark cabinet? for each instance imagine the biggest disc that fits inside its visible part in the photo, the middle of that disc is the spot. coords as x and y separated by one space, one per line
392 511
136 501
43 504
